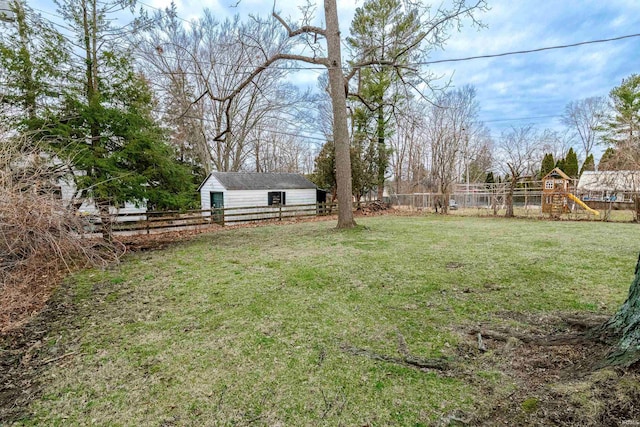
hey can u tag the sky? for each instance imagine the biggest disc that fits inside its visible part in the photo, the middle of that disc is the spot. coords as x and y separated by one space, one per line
513 90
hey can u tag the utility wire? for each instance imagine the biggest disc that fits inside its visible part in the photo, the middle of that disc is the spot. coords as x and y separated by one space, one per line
521 118
520 52
439 61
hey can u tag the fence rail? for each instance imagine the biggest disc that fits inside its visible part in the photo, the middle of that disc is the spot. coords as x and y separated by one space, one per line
148 222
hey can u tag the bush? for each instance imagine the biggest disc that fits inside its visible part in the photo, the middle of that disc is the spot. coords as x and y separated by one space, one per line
40 238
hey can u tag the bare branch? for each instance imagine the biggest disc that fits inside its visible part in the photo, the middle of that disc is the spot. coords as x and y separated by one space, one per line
305 29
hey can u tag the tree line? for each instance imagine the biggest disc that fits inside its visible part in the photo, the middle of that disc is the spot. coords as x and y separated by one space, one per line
143 112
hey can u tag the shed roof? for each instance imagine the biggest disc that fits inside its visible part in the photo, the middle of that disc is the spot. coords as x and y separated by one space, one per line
261 181
627 181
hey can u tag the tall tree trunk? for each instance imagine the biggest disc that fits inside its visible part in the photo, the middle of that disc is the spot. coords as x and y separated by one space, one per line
509 200
624 328
340 127
382 153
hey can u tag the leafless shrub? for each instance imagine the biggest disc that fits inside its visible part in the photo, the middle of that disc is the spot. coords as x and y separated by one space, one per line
40 237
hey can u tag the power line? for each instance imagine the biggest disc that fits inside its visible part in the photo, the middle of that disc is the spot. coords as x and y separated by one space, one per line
520 52
439 61
521 118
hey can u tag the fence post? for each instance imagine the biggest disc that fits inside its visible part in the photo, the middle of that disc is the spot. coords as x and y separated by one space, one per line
279 212
147 223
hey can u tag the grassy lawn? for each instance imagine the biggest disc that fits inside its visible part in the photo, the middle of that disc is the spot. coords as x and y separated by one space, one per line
248 326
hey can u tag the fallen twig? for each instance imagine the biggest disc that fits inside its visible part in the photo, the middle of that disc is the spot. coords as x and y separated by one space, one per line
440 364
55 359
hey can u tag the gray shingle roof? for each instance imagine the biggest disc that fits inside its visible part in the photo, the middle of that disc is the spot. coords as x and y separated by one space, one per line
262 181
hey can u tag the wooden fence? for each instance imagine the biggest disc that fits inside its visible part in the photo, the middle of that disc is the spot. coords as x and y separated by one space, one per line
150 222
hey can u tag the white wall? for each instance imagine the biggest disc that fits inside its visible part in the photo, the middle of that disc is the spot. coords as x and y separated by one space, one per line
260 198
210 185
250 198
88 207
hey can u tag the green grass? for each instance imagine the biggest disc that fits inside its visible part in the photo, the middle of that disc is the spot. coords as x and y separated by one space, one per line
246 326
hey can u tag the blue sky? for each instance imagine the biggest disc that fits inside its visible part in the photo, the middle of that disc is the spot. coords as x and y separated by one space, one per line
515 90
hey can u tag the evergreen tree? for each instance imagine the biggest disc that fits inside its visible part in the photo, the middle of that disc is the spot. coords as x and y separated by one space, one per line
104 125
547 165
589 164
489 179
571 164
623 129
31 56
324 175
382 31
607 161
561 164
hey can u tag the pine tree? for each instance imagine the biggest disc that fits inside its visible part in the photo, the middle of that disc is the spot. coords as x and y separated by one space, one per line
382 30
105 127
32 52
571 164
607 161
547 165
589 164
489 179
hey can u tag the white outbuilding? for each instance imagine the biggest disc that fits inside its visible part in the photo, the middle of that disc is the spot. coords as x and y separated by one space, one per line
609 186
232 190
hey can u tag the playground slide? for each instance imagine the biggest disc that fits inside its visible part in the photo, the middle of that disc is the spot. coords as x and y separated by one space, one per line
582 204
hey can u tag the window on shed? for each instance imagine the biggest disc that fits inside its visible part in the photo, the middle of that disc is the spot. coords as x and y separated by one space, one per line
548 184
276 198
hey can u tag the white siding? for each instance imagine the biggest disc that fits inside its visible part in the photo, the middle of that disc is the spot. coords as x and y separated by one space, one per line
260 198
250 198
67 189
210 185
88 207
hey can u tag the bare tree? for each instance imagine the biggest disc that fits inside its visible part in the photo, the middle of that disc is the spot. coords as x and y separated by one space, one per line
555 142
584 118
518 151
279 152
451 122
212 58
409 149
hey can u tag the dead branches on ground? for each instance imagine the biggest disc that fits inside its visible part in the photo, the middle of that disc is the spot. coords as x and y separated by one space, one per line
406 359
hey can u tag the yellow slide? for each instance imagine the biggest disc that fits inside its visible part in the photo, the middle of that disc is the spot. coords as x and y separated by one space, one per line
582 204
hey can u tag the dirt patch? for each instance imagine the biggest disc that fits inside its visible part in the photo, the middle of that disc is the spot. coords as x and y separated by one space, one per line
546 383
24 355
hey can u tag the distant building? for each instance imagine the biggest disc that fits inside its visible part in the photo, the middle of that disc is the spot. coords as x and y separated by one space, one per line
229 190
609 186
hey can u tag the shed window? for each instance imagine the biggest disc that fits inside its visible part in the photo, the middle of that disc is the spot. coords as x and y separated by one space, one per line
548 184
276 198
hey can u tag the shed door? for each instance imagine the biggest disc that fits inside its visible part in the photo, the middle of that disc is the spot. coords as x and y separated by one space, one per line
217 206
